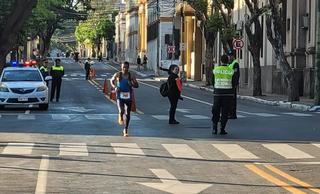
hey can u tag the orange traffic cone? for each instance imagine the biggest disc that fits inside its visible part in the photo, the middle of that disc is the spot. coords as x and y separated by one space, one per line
113 95
105 87
90 74
93 72
133 107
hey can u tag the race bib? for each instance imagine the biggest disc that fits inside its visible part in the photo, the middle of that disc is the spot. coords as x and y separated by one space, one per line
124 95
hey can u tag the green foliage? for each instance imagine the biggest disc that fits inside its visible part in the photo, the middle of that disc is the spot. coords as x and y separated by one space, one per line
106 29
199 5
227 34
215 22
227 3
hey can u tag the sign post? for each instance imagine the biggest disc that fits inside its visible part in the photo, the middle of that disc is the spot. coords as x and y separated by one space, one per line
171 49
238 45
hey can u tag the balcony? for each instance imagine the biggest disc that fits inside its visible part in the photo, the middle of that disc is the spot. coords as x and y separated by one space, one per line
131 5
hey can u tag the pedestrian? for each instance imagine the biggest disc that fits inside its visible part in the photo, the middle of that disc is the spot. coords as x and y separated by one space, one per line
224 84
57 73
87 67
125 82
44 70
145 59
235 66
174 93
138 63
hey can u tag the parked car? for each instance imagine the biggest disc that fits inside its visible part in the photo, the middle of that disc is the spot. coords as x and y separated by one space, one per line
165 64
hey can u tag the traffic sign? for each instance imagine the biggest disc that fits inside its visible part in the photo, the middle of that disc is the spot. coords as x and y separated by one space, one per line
183 46
171 49
137 48
238 44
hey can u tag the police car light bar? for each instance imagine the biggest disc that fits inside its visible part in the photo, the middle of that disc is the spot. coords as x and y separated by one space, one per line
27 63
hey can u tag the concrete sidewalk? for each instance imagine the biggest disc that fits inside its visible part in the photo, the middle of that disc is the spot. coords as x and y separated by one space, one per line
305 104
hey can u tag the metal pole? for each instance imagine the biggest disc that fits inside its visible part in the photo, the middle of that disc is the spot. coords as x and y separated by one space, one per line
182 37
317 60
158 38
173 29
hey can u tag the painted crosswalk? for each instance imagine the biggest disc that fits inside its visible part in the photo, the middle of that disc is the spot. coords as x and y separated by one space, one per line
222 151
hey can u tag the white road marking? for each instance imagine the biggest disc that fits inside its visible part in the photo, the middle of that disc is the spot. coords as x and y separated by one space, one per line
42 175
234 151
266 115
240 116
134 118
26 117
18 148
181 151
60 117
0 116
94 117
298 114
161 117
197 117
315 144
73 149
287 151
127 149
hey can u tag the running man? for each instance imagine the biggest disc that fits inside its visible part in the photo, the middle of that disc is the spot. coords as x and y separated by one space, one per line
125 82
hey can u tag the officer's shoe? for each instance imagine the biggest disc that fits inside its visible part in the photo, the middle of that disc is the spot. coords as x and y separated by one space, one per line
214 129
223 131
57 100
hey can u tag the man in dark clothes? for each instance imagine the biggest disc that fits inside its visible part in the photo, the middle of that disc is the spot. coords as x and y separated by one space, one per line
235 66
57 72
87 67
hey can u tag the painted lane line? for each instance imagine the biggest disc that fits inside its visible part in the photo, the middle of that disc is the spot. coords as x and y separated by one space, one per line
73 149
274 180
127 149
60 117
293 179
197 117
287 151
94 117
26 117
161 117
28 111
315 144
181 151
234 151
42 175
298 114
18 148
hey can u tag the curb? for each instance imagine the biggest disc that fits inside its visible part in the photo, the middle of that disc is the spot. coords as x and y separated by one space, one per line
288 105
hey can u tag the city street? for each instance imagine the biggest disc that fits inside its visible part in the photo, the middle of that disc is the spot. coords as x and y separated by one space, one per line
77 146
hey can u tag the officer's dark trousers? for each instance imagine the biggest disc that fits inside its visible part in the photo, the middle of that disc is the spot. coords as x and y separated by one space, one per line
87 73
56 84
233 104
221 105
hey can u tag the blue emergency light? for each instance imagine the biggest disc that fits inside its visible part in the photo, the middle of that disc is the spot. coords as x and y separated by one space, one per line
15 63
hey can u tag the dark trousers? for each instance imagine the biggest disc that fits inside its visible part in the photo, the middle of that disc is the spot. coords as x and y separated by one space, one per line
221 105
87 73
124 107
233 104
174 103
55 84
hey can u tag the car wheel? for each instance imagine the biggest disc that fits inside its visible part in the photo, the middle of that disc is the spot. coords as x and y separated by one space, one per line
44 106
1 107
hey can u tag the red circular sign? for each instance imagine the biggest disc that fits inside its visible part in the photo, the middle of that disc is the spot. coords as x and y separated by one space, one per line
238 44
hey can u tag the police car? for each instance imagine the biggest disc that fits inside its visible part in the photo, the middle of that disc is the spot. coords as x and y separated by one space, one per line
23 85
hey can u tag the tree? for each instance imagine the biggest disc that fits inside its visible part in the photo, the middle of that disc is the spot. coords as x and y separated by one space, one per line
210 22
14 13
255 41
275 37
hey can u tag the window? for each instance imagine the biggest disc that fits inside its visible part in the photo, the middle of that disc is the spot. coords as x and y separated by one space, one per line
21 75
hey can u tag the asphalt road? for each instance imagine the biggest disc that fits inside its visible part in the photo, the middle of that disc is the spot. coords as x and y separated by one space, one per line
77 146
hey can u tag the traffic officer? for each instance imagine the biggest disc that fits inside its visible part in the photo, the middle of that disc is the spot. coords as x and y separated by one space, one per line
235 66
44 70
87 67
57 73
224 84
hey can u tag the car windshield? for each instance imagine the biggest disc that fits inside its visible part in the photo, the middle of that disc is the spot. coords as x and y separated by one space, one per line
21 75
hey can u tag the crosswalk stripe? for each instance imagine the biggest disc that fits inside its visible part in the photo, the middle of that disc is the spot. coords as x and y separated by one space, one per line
298 114
26 117
127 149
315 144
18 148
73 149
266 115
161 117
94 117
241 116
60 117
234 151
181 151
197 117
287 151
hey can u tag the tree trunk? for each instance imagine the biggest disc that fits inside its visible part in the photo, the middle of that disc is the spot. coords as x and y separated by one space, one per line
209 60
20 11
257 91
47 40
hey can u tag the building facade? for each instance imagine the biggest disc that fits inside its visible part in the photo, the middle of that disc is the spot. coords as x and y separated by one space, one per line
120 35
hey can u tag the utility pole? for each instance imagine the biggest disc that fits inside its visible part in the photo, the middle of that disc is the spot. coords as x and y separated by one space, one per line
183 75
158 38
317 60
173 29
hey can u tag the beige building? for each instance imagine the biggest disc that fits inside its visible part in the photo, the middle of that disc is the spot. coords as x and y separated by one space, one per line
120 35
299 31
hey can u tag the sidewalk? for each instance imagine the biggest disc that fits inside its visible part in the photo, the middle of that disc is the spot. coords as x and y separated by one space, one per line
305 104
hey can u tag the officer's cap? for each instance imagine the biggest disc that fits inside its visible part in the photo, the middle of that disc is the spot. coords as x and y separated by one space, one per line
57 60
